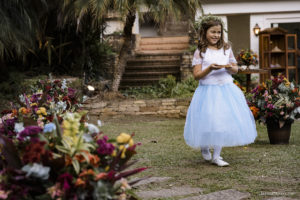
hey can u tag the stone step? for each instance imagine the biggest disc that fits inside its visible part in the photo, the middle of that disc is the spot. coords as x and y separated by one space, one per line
154 61
164 40
177 23
151 68
157 52
179 46
177 29
157 55
148 74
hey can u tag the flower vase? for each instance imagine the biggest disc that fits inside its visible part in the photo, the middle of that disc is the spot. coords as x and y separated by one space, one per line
277 134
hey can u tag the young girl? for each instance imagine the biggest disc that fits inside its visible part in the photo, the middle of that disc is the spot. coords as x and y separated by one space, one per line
218 114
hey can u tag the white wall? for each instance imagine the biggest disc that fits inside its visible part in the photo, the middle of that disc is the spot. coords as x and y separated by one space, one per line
113 26
265 21
251 7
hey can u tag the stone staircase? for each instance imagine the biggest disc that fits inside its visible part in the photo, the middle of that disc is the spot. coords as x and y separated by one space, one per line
155 58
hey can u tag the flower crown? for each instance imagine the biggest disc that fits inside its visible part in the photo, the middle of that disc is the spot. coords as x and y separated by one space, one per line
206 18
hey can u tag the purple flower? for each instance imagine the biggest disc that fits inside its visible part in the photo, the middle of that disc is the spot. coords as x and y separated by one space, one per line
29 131
35 98
254 90
7 127
270 106
71 92
104 147
66 180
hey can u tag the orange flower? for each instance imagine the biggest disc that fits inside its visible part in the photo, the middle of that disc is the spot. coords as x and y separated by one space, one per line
80 158
99 176
87 172
94 160
68 160
295 90
254 111
79 182
14 112
24 110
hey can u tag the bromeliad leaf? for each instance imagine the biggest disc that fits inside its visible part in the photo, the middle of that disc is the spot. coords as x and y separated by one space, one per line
76 166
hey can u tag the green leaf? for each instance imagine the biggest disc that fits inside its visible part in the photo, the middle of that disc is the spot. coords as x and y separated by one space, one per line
76 166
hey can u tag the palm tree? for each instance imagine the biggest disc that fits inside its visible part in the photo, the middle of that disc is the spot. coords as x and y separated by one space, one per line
159 9
19 24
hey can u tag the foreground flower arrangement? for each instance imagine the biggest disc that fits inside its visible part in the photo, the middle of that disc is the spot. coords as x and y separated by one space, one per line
62 156
276 100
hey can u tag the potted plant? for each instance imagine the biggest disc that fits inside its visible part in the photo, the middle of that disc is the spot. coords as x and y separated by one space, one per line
246 58
277 104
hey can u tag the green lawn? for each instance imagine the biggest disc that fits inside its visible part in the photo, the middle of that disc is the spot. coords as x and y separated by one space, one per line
261 169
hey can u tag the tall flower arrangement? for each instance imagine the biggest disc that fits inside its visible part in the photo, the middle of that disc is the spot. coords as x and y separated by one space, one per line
64 158
247 57
276 100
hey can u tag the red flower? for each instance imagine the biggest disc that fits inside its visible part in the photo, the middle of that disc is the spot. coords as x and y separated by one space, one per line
34 152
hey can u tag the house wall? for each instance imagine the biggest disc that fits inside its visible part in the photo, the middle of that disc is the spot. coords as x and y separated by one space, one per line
265 21
264 13
238 32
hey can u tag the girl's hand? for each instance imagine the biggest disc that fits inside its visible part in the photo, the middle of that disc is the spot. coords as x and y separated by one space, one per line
232 68
229 66
216 67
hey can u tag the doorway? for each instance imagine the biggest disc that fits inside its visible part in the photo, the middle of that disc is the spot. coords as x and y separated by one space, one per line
293 28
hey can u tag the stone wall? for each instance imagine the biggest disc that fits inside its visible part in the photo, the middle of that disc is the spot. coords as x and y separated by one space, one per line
186 65
175 108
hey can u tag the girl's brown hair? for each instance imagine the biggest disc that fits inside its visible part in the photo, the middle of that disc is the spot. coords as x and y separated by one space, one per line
203 42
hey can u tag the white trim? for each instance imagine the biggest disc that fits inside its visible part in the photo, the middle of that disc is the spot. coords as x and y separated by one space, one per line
251 7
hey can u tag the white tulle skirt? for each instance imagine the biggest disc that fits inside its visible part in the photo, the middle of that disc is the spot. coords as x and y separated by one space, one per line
218 115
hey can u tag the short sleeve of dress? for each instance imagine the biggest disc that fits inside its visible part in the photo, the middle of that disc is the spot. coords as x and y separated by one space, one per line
231 57
197 60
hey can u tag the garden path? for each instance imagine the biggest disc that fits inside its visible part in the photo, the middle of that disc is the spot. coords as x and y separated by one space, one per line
189 193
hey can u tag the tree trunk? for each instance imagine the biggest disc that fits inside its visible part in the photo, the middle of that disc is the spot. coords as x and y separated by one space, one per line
119 68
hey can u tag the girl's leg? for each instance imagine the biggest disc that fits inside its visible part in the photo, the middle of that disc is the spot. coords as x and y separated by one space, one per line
217 152
206 153
217 158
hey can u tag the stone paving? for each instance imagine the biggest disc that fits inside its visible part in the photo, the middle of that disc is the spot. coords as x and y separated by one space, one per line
166 193
188 193
221 195
151 180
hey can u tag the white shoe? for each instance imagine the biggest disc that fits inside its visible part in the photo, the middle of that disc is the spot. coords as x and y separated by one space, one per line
219 162
207 156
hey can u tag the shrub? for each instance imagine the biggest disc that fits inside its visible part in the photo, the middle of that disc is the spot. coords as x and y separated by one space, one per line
165 88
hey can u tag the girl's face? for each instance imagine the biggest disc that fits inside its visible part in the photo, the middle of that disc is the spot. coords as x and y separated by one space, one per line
213 34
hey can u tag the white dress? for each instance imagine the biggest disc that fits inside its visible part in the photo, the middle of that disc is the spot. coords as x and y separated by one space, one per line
218 114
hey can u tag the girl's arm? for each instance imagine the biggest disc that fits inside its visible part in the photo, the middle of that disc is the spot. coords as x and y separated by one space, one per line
232 68
199 73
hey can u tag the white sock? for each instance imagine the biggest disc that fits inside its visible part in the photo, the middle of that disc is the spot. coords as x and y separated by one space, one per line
217 152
